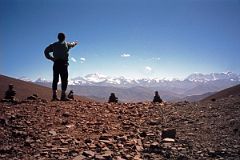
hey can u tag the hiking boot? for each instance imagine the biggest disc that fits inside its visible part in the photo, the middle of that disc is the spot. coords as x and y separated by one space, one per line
65 99
55 98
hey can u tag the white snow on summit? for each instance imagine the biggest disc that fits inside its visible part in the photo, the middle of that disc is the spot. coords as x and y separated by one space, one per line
199 77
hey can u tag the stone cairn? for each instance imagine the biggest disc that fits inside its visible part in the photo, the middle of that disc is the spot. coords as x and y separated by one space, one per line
113 98
70 95
157 98
10 94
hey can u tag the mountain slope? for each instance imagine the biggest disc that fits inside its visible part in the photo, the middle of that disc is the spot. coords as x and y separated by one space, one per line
196 98
25 89
232 91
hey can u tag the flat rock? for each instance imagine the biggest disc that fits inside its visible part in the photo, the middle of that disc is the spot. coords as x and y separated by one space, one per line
107 154
80 157
154 122
168 140
53 133
88 153
99 157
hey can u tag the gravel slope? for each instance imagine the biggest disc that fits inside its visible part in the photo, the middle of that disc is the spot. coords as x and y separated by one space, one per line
89 130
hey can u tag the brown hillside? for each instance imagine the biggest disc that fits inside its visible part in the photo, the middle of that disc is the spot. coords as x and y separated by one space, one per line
25 89
232 91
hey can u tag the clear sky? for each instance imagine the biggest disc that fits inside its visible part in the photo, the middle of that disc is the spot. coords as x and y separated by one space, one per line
131 38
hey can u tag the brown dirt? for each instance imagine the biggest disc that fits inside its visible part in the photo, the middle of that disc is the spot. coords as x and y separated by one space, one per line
89 130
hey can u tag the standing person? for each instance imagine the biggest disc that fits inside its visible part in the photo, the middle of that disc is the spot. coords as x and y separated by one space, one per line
59 56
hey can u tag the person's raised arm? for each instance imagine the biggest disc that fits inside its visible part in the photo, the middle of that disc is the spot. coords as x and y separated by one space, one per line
72 44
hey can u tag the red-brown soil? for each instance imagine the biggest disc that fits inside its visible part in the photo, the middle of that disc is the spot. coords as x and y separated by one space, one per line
88 130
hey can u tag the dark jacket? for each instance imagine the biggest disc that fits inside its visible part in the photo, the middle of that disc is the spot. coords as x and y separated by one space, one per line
60 51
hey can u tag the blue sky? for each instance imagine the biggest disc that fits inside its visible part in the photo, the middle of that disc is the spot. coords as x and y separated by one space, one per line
131 38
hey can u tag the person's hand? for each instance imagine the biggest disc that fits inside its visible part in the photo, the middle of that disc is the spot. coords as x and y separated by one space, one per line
75 43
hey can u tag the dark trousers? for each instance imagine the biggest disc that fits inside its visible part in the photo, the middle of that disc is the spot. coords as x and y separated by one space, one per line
60 68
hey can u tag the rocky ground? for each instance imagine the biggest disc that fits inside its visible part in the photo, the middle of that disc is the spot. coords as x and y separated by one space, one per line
37 129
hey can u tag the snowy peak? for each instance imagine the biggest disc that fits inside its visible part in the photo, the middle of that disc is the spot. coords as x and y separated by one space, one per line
199 77
77 81
42 80
96 78
23 78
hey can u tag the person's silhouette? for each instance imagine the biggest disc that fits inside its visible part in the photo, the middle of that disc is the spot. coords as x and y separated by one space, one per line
59 56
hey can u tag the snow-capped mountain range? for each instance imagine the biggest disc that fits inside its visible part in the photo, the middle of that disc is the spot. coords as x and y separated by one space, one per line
199 77
102 80
98 86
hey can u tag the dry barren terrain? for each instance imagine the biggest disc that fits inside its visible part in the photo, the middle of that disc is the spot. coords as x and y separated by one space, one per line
88 130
